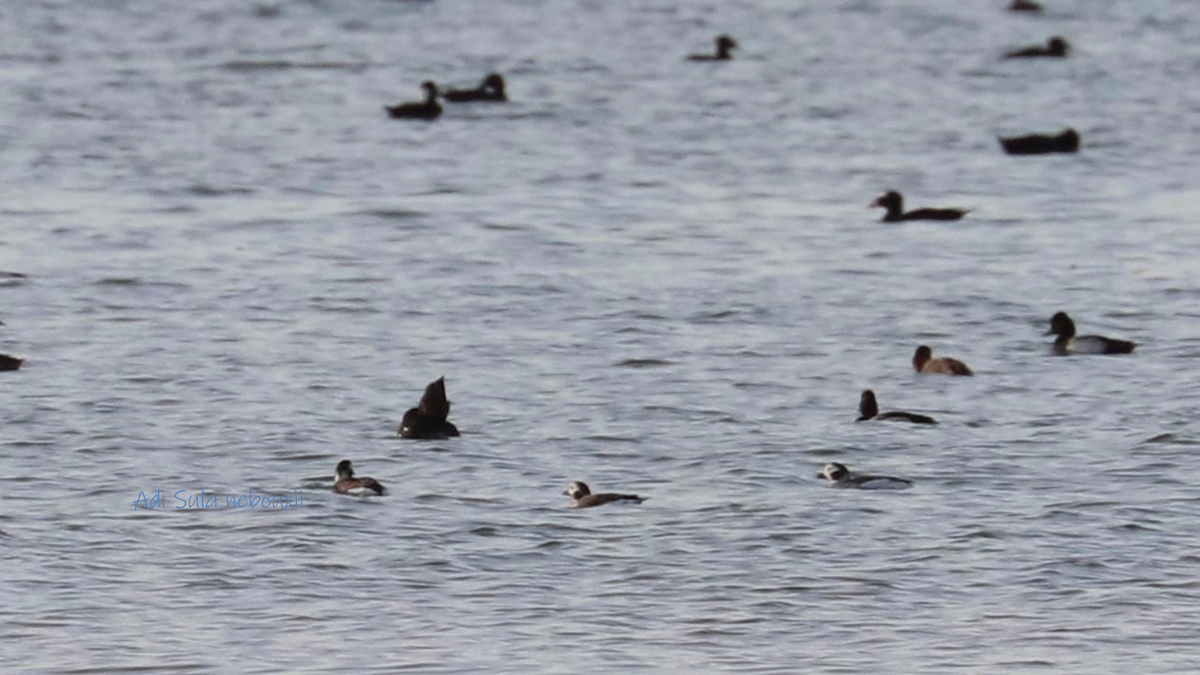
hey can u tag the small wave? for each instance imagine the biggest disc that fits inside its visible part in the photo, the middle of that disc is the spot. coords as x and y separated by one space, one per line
644 363
393 214
203 190
250 66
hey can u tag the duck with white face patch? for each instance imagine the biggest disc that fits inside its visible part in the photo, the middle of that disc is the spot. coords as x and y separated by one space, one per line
345 483
582 497
839 476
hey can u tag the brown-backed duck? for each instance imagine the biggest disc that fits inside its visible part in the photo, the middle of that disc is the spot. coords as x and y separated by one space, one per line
344 482
490 90
724 44
1042 144
429 109
923 362
582 497
428 419
894 203
1056 47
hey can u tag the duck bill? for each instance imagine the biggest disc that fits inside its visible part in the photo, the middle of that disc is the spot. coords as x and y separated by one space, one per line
877 202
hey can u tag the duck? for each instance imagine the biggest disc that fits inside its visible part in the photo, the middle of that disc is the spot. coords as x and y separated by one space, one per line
1024 6
428 419
724 44
1068 343
344 482
894 203
1056 47
839 476
869 410
923 362
9 362
582 497
1042 144
491 89
429 109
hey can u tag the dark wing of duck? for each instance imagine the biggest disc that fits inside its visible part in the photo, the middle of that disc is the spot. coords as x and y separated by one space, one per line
1027 53
429 110
482 94
371 484
863 481
10 362
607 498
957 367
1114 346
935 214
1041 144
907 417
433 402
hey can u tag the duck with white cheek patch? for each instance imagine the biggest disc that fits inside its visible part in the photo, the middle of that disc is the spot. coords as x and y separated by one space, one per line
839 476
346 484
582 497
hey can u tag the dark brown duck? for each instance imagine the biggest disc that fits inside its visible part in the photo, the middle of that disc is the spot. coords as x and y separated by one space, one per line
1042 144
1056 47
894 203
724 44
868 409
428 419
490 90
429 109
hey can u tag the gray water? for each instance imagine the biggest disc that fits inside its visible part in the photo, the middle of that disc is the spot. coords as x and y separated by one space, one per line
656 276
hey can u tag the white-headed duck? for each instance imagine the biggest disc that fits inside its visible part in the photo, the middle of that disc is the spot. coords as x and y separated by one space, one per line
839 476
582 497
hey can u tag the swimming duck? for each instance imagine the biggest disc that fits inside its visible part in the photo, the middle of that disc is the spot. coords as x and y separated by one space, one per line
724 44
10 362
429 109
1067 343
869 410
839 476
428 419
1042 144
923 362
1024 6
894 203
1055 47
491 89
582 497
344 482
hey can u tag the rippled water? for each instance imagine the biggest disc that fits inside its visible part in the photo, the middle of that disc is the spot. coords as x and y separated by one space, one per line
653 275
